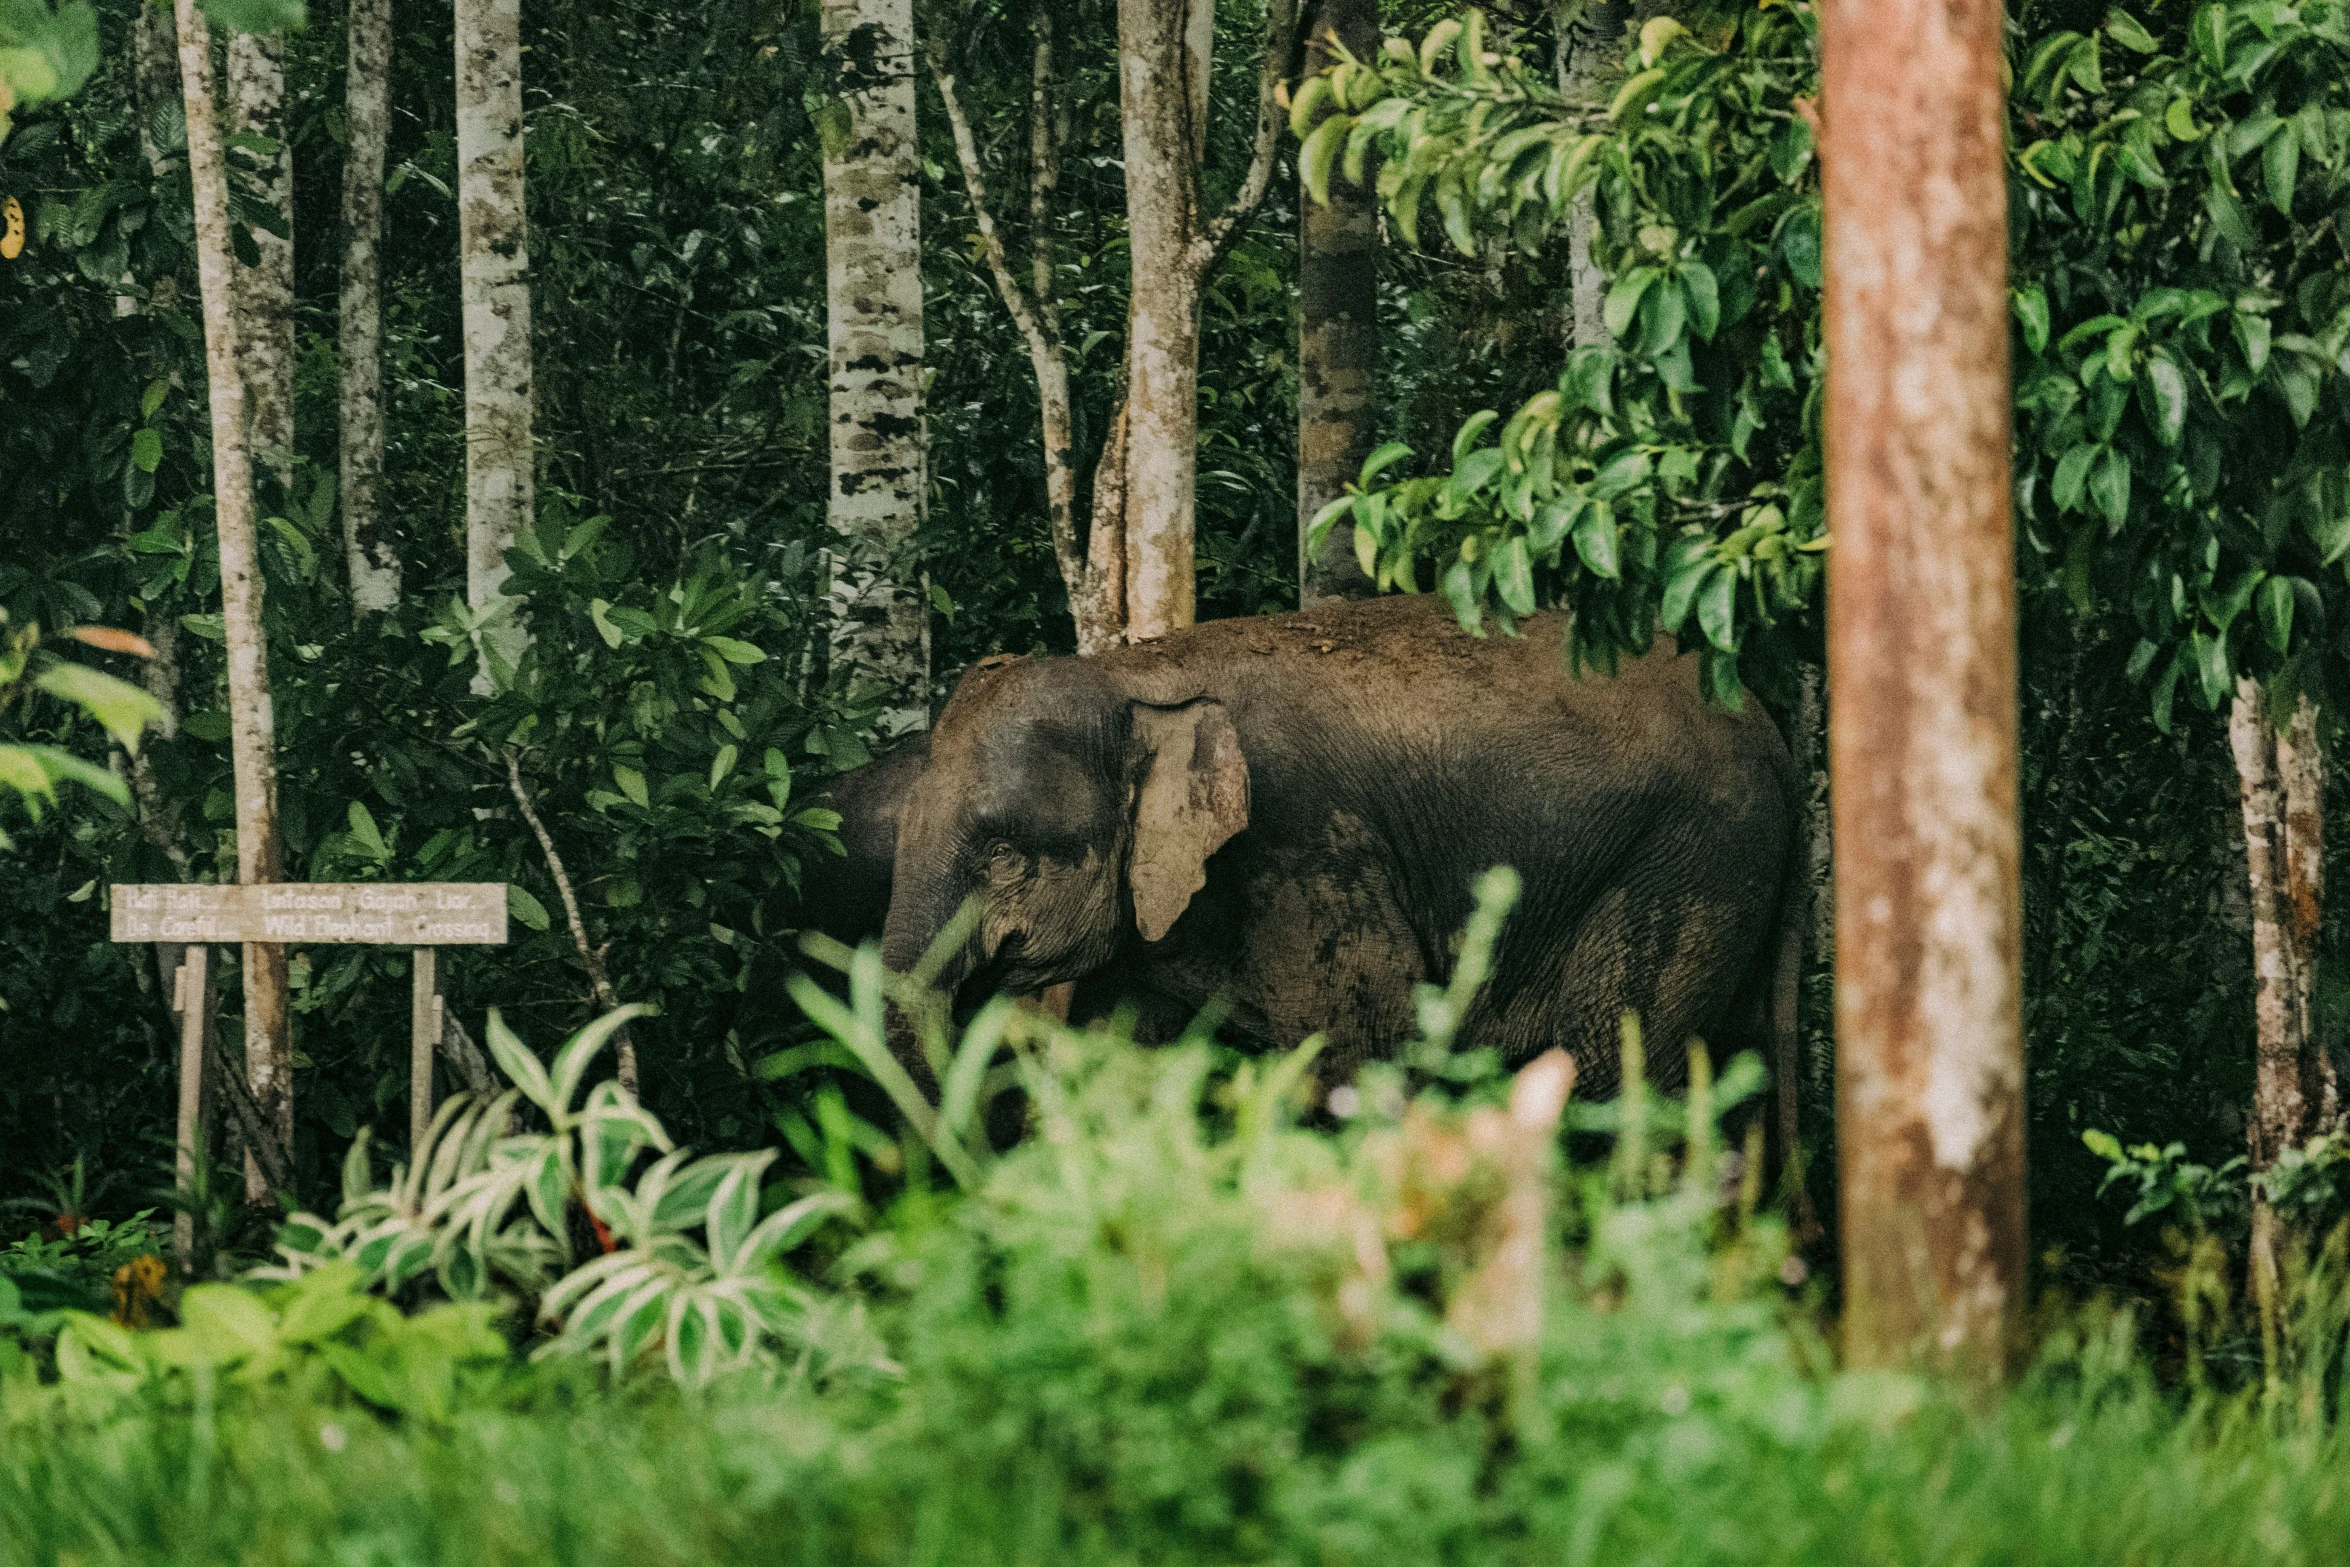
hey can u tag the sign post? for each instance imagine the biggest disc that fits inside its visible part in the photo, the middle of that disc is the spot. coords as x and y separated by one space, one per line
422 916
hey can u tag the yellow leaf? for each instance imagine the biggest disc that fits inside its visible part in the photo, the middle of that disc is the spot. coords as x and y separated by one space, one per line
1655 33
11 229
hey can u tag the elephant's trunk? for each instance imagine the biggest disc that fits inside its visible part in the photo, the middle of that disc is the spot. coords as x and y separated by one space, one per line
917 914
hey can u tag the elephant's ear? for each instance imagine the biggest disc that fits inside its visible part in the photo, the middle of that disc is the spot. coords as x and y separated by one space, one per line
1194 796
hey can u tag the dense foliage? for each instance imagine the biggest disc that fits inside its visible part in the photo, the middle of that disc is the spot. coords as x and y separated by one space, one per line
1177 1326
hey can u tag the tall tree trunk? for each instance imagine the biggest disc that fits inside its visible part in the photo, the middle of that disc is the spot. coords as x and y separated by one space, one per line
252 737
2302 780
265 328
494 249
2280 783
1163 315
1590 50
1337 334
1922 683
374 564
1148 499
873 286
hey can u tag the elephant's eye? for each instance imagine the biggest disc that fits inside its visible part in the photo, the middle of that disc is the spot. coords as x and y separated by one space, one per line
1005 863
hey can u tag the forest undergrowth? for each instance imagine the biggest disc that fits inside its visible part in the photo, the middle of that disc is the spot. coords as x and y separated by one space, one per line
1201 1311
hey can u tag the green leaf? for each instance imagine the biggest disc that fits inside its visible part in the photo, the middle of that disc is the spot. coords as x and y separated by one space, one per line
2109 487
258 16
1320 151
122 708
2166 689
365 833
2125 29
2275 604
1624 299
735 651
2212 667
2031 309
1513 575
1381 460
1464 439
2227 215
632 785
525 908
1663 313
2209 33
2280 166
2072 476
1595 542
147 450
1705 297
2252 335
1634 95
599 611
2330 532
2165 388
1717 609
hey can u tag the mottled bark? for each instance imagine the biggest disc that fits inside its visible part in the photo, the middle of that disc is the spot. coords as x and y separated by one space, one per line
1337 333
1173 245
1162 321
2302 780
373 563
2278 1110
873 287
1590 57
2279 786
1922 683
252 733
265 293
494 250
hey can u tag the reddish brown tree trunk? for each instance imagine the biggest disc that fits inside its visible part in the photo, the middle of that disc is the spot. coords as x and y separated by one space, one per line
1922 682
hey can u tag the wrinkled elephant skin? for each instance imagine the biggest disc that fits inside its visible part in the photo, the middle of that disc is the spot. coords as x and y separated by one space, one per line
1285 816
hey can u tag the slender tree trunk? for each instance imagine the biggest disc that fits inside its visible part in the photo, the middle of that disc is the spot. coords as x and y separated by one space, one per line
1149 499
2301 777
374 564
873 277
1922 683
2280 785
252 737
494 249
1156 96
1337 334
265 329
1590 50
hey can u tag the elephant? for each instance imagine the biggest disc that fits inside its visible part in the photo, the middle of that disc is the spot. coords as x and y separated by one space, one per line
846 896
1282 818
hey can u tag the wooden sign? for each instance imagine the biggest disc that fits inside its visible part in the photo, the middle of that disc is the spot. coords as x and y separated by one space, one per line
419 915
413 914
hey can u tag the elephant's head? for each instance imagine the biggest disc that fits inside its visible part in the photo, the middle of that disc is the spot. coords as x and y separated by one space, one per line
1079 816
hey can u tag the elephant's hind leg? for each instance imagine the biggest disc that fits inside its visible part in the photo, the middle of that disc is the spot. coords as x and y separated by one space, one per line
1675 963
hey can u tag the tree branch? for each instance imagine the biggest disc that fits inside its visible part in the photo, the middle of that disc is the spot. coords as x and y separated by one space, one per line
598 983
1280 39
261 1139
1038 317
